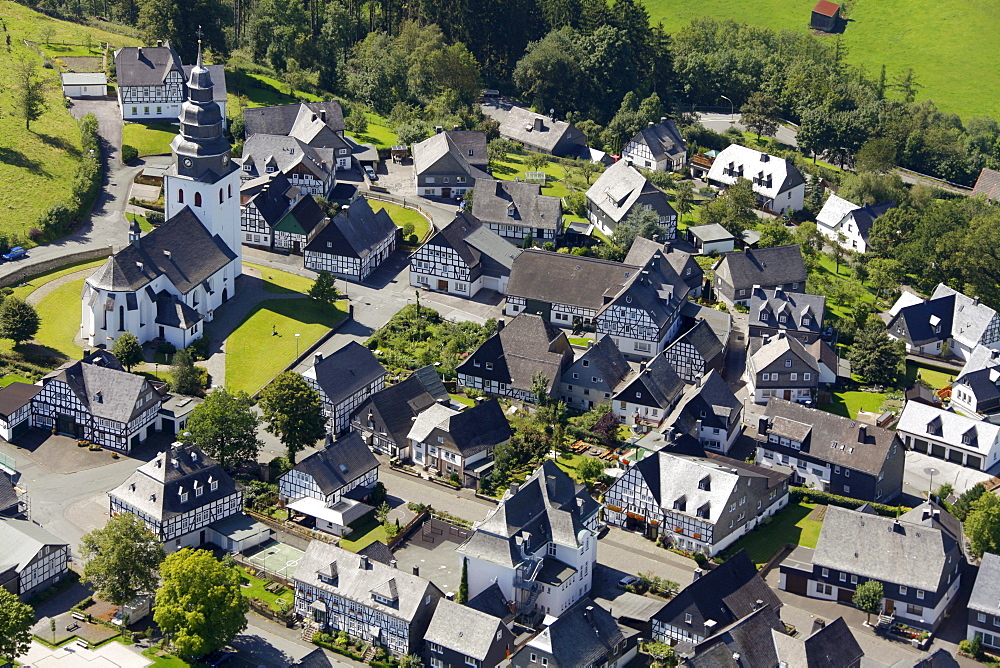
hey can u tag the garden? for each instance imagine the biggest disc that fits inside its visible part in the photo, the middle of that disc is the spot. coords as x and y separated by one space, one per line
151 138
796 523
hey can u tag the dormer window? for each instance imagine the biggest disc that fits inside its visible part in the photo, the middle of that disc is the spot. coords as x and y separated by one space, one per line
806 321
781 318
763 316
213 484
183 494
704 511
680 504
705 484
199 489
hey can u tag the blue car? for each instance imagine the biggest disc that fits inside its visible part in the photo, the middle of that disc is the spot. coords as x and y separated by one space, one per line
15 253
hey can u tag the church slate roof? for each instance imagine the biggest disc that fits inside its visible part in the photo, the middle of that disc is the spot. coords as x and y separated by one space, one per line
172 312
182 249
346 371
355 232
494 199
338 463
280 119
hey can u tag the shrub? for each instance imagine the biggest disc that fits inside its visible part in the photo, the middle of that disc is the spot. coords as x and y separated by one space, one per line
700 559
166 348
279 467
155 218
806 495
34 234
408 230
199 349
129 153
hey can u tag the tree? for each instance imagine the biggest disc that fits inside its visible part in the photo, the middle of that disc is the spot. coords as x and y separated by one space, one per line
19 320
356 123
536 162
906 83
200 605
808 237
639 223
884 273
876 155
590 470
225 427
16 620
774 233
324 288
760 114
378 494
128 350
683 197
185 378
463 586
293 412
733 209
661 653
982 525
549 74
123 559
874 356
410 661
868 597
965 501
498 150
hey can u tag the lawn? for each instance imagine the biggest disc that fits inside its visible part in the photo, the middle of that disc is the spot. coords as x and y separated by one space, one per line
259 90
513 166
936 377
22 291
149 138
367 530
254 356
282 282
378 133
60 314
402 216
256 590
462 399
14 378
144 224
829 268
945 43
789 525
578 341
849 403
569 463
165 661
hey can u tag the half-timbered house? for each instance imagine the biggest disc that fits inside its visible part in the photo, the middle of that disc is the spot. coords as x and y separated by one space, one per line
339 590
151 82
264 201
709 411
94 399
696 352
385 418
463 258
330 485
459 445
507 362
299 226
621 190
684 264
15 409
311 170
354 243
317 124
517 210
657 147
539 544
180 494
32 559
344 380
701 504
648 394
448 163
595 376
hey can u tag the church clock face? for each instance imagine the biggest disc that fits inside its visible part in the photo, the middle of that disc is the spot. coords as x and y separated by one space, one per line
188 162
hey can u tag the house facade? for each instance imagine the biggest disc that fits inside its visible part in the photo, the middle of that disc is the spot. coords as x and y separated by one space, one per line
797 314
448 163
658 147
777 182
976 390
462 259
165 284
701 504
180 494
312 170
948 435
779 366
15 409
264 201
460 636
984 613
339 590
947 322
344 380
33 559
584 635
831 453
384 419
517 210
696 352
595 376
710 412
354 244
647 395
738 274
712 238
539 545
847 224
621 190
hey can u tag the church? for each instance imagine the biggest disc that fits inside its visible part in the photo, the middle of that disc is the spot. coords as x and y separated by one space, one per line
167 284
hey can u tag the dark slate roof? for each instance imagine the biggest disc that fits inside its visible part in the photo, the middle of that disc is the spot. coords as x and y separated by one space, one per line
355 232
832 646
657 289
711 233
603 360
172 312
285 153
988 184
22 541
270 195
914 323
146 65
567 279
279 120
398 404
766 267
106 391
182 249
658 382
618 189
339 463
464 630
491 601
986 592
866 215
583 635
724 594
775 302
482 426
710 401
663 139
465 148
703 339
483 250
378 551
304 217
8 495
342 373
817 431
495 200
15 396
526 126
683 263
747 637
154 488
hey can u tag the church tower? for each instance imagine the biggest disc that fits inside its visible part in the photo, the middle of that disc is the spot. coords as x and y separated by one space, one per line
203 177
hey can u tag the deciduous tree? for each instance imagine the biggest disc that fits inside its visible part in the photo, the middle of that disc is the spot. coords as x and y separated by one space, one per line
868 597
760 114
225 427
982 525
16 620
293 412
122 559
874 356
19 320
324 289
185 378
200 605
128 350
29 91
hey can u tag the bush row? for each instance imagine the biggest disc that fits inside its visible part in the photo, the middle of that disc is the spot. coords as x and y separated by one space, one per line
806 495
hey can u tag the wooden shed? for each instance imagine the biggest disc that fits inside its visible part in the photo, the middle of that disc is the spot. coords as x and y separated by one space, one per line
825 16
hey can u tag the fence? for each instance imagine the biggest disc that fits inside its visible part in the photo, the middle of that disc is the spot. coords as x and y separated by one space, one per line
408 529
20 274
290 534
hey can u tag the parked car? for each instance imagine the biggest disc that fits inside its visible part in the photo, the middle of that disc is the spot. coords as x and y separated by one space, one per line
370 173
15 253
628 580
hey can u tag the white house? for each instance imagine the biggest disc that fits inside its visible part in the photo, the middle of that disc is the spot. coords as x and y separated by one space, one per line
539 544
151 83
847 224
941 433
621 190
84 84
976 390
165 284
778 183
647 395
947 318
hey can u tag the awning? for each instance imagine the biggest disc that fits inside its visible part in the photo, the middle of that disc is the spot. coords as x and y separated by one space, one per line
342 514
318 605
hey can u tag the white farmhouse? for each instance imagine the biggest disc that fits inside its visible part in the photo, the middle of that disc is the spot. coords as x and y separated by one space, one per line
847 224
778 183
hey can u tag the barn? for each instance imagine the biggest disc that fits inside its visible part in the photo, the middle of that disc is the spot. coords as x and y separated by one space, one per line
825 16
84 84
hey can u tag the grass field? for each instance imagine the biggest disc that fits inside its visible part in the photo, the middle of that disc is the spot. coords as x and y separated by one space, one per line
13 378
570 464
254 356
149 138
282 282
514 167
935 377
144 224
256 590
402 216
258 90
367 530
22 291
952 46
378 133
60 314
849 403
789 525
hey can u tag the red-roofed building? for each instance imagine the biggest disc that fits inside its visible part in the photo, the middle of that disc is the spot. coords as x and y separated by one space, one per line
825 16
988 184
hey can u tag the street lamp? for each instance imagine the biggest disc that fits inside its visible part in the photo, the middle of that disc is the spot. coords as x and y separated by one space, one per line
732 115
931 471
296 345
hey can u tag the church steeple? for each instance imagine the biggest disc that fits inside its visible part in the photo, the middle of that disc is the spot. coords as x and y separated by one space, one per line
201 151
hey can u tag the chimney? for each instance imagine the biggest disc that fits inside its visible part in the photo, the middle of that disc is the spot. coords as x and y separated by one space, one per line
438 129
159 42
937 515
140 53
926 515
86 353
317 358
364 562
588 613
499 324
167 253
697 574
416 570
862 433
456 127
514 488
651 124
762 425
538 123
139 265
392 563
818 624
663 119
758 604
322 115
642 367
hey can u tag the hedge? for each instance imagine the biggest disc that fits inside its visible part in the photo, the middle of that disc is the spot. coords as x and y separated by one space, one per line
338 650
808 495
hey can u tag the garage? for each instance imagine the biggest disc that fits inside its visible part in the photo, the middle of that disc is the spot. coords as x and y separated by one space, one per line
796 583
167 426
84 84
845 595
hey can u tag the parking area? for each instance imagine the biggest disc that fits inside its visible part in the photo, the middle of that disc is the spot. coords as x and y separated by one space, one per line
397 177
921 468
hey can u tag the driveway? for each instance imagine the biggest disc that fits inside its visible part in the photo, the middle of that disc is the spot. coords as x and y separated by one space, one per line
917 474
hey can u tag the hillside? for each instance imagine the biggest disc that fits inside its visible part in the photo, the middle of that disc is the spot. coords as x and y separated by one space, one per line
37 166
952 47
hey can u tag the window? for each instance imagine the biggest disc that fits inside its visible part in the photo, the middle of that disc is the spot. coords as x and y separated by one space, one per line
847 489
794 376
221 196
688 618
459 179
197 199
214 484
788 363
854 579
824 589
180 196
902 590
807 376
342 151
534 658
847 472
914 610
981 617
836 469
826 572
642 346
469 661
920 594
436 662
199 490
430 180
843 577
446 180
